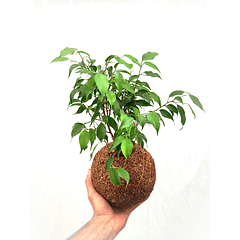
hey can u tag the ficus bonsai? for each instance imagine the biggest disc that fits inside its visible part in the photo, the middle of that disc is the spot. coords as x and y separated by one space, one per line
115 98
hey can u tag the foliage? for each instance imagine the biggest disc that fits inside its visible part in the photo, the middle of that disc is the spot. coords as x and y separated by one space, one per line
115 97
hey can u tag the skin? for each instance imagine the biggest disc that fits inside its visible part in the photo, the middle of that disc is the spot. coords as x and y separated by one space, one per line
107 221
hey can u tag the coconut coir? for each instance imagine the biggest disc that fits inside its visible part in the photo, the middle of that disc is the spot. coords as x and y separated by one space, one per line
141 168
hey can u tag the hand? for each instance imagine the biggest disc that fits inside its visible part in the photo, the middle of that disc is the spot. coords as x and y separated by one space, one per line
103 210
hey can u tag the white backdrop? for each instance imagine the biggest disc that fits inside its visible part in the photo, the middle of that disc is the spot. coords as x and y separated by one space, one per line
179 31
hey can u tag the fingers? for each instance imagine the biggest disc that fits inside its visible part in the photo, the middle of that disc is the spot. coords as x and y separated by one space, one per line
89 186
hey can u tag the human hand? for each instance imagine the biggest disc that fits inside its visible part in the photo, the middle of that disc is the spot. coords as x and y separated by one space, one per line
117 218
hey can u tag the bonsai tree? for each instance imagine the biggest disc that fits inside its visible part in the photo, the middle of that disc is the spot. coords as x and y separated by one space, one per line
115 98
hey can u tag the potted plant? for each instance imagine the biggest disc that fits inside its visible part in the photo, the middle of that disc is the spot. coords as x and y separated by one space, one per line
115 98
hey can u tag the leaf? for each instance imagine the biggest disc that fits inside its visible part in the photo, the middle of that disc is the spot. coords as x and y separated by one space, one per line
121 61
152 66
116 142
126 147
77 128
59 59
142 103
126 122
152 117
67 51
152 74
149 56
192 111
172 108
111 97
114 176
156 98
109 58
92 134
102 83
174 93
196 101
182 114
142 120
116 108
128 87
119 81
88 86
178 99
72 67
84 138
134 60
80 109
83 53
111 122
108 163
166 114
124 174
101 131
133 132
140 138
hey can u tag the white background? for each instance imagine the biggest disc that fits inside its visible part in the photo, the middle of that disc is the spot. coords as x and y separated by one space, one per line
179 31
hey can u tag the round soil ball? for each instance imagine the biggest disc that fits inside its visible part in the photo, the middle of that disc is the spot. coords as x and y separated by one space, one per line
141 168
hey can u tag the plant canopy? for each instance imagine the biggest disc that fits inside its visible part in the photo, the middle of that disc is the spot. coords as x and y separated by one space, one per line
115 97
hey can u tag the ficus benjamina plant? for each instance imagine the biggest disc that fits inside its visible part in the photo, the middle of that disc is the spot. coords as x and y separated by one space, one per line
115 98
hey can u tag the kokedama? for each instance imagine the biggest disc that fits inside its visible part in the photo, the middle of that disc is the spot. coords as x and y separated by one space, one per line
115 99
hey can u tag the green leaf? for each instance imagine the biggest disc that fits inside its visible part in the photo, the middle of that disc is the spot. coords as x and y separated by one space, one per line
152 74
174 93
109 58
142 103
172 108
136 112
116 142
133 132
141 138
116 108
84 138
111 122
126 122
149 56
182 114
92 134
166 114
108 163
178 99
101 131
88 86
196 101
124 174
152 66
72 67
152 117
60 59
142 120
83 53
134 60
111 97
77 128
102 82
156 98
126 147
119 81
114 176
80 109
67 51
192 111
121 61
128 87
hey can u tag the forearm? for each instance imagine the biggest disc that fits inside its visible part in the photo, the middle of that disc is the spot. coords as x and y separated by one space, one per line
98 228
